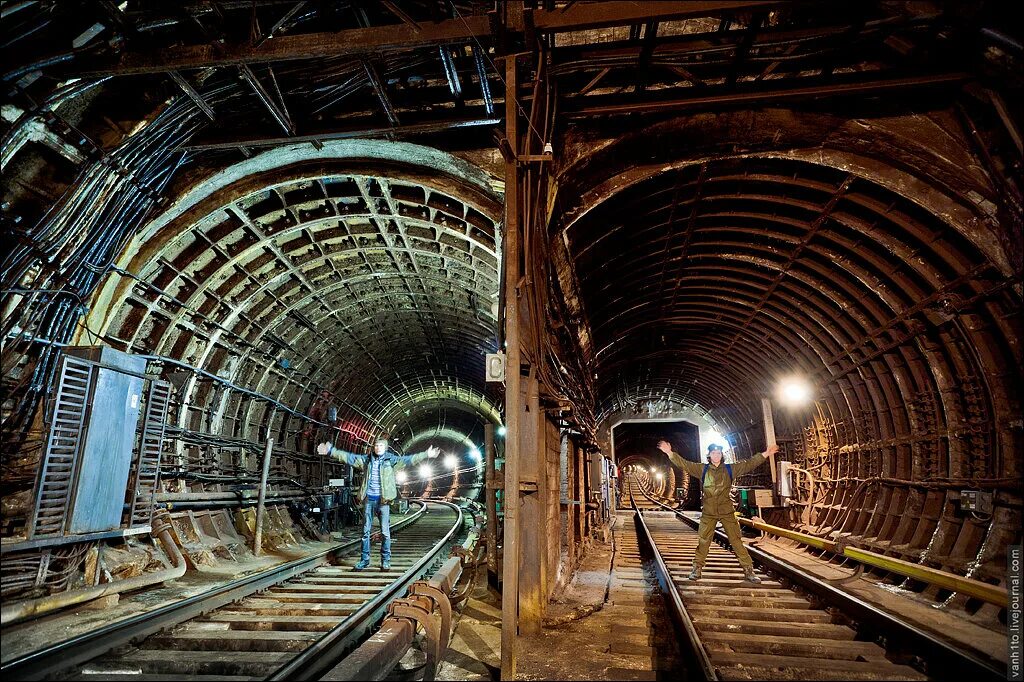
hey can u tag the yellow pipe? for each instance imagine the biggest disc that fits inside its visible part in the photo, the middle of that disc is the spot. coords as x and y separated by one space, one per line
993 594
811 540
978 589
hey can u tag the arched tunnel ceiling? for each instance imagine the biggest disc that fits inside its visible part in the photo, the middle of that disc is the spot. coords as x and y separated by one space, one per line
367 284
707 282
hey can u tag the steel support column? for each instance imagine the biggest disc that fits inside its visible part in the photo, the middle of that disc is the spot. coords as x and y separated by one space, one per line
532 512
510 553
491 500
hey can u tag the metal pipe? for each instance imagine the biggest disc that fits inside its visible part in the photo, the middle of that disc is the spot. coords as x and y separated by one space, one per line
933 576
31 608
491 497
260 504
242 496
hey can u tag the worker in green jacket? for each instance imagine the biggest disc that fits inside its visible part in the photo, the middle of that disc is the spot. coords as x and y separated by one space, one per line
716 481
378 489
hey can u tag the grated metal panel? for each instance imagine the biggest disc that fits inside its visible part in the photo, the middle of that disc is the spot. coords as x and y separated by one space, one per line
60 459
147 473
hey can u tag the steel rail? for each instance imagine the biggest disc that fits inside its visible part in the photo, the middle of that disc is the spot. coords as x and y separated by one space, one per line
939 655
679 613
329 650
44 663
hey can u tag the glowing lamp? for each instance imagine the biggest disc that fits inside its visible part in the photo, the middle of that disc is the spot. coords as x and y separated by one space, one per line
794 391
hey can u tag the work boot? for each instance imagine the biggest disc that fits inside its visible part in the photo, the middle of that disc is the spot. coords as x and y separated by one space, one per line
363 563
748 575
385 565
694 574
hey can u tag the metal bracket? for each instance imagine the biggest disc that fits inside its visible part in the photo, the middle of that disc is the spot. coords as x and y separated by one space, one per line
422 588
464 556
415 610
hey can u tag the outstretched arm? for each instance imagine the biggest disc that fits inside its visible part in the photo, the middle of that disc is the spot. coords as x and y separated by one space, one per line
409 460
692 468
740 468
353 460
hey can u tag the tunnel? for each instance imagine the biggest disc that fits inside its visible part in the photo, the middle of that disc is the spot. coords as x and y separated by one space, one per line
326 324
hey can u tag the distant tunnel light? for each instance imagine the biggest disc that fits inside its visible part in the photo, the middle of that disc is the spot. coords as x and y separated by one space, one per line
425 471
474 453
502 430
451 461
401 477
794 391
659 475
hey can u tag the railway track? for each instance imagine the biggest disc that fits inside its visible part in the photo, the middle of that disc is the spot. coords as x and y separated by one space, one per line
294 621
789 626
634 495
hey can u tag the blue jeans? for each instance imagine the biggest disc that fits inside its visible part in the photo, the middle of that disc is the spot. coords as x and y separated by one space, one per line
371 508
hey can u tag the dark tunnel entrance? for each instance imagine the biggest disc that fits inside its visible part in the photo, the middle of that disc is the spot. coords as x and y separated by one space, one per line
635 444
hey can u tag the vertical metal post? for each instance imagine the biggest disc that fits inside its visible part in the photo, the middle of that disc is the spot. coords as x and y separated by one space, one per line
769 438
491 499
260 506
532 512
513 397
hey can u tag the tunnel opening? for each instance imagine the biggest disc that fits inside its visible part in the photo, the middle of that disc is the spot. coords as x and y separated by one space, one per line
636 444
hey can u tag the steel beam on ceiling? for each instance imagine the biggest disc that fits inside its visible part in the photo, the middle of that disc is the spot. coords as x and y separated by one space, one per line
378 39
401 14
381 92
619 12
187 88
323 135
615 104
279 114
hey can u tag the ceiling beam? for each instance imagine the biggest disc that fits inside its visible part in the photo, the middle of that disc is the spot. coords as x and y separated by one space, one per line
376 39
617 104
323 135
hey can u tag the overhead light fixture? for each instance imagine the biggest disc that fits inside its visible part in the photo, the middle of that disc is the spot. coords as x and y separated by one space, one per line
474 453
425 471
794 391
502 430
451 461
401 477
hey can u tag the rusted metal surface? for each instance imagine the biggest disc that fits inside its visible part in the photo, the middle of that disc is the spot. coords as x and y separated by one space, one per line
899 642
259 633
872 244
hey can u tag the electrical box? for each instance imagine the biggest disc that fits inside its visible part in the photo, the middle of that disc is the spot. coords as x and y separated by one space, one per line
976 501
105 459
763 498
785 484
